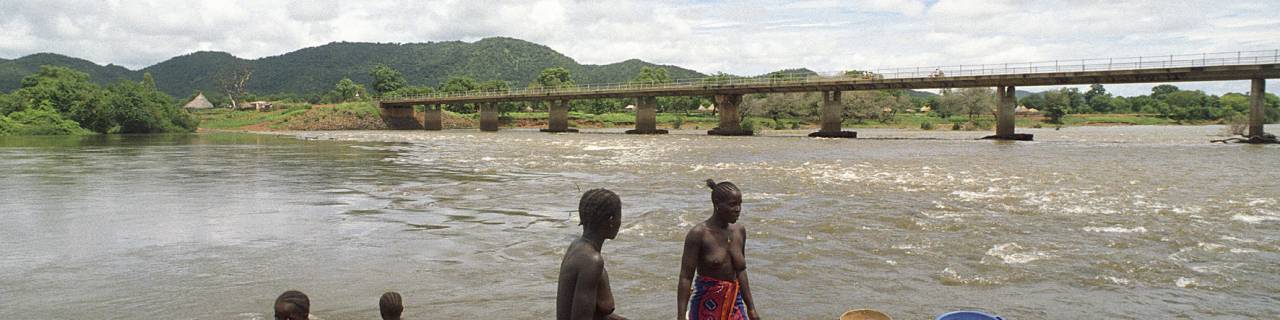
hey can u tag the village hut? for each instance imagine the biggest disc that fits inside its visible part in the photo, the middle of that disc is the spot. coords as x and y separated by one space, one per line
199 102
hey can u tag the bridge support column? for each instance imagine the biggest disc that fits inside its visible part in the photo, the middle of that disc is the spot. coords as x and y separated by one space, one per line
432 118
488 116
832 117
1257 117
558 117
1007 102
730 123
398 117
646 116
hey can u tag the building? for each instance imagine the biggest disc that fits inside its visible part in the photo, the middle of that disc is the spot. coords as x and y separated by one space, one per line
199 102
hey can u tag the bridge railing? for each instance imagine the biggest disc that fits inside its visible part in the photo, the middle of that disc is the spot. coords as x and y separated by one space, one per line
1047 66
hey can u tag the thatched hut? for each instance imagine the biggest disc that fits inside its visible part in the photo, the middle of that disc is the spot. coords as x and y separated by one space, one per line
199 102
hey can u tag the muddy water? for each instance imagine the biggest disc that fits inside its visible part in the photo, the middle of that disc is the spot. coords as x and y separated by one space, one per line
1121 222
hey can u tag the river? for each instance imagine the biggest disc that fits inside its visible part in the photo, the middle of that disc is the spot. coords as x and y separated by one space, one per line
1108 222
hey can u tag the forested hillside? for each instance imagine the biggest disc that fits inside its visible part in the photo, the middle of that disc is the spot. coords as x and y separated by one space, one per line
13 71
314 70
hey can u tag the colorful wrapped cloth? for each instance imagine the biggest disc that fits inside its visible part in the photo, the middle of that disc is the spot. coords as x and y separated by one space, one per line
715 299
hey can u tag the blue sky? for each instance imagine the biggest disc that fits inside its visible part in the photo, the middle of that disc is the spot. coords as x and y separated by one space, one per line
740 37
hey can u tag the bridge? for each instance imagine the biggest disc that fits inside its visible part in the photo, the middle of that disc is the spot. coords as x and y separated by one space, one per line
1256 66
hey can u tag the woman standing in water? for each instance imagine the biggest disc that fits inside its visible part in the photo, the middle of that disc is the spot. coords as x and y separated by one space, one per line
584 285
716 249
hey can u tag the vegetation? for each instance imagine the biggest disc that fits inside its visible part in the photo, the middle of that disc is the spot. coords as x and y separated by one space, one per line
307 74
1165 101
58 100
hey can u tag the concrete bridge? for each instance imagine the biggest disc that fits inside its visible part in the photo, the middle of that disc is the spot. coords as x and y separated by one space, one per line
1256 66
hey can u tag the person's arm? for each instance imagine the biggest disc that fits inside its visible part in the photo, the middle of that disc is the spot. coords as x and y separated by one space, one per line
584 291
688 264
746 285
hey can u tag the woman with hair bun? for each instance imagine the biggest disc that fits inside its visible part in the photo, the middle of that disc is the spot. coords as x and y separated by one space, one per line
716 250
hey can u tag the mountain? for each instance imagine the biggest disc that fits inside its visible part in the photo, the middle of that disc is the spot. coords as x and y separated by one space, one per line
12 71
315 70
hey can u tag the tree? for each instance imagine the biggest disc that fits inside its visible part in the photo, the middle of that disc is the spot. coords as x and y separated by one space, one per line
1158 92
1056 104
232 81
494 86
1098 100
554 78
459 84
69 93
652 76
950 103
8 104
139 108
347 90
386 79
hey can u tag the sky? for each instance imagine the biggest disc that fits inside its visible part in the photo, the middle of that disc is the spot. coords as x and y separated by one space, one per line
745 37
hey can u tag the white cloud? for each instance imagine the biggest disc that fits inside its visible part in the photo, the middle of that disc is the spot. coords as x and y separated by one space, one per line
742 37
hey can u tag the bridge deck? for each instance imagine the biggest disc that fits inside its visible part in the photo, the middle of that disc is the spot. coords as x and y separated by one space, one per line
1236 68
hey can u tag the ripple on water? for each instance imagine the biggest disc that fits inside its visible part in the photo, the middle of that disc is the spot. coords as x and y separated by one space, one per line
1012 253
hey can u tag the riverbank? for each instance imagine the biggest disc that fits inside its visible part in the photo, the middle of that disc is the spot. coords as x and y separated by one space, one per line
365 116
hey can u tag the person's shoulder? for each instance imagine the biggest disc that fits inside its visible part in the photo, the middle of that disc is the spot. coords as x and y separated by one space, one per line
699 228
738 228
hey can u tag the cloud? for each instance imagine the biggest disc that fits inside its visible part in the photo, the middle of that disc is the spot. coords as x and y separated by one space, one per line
741 37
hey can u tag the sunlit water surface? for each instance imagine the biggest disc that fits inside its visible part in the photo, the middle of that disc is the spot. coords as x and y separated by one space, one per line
1117 222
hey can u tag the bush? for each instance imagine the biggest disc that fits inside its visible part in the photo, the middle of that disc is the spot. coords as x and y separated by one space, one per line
955 126
748 125
38 122
926 125
675 124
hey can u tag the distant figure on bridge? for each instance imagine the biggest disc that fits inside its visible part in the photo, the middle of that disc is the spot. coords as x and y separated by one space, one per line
390 306
292 305
937 73
584 291
716 249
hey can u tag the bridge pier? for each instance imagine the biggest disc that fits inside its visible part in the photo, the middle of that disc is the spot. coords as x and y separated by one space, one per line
1005 117
730 123
433 118
398 117
488 116
646 116
832 117
558 117
1257 117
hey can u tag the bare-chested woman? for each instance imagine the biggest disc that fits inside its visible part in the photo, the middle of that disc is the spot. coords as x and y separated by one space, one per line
716 249
584 285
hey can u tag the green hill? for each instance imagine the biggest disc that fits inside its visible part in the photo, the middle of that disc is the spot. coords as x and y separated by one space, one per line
12 71
315 70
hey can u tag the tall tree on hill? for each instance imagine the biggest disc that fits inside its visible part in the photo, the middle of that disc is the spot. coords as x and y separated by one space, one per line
386 79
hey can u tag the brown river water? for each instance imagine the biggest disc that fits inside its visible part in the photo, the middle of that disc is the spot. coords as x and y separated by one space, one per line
1092 222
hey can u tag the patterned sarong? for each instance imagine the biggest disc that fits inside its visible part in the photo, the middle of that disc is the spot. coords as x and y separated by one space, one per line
715 299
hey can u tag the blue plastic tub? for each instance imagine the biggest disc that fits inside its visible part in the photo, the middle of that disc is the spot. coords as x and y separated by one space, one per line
968 315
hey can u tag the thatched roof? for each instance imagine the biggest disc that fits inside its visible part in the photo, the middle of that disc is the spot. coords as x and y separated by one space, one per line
199 102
